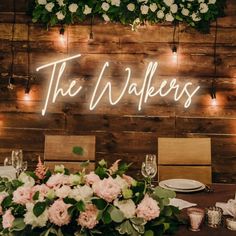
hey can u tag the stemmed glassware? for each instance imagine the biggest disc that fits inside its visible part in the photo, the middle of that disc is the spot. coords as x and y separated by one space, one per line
17 160
149 168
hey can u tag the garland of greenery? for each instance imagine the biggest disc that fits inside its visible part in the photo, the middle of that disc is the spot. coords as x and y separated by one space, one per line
196 13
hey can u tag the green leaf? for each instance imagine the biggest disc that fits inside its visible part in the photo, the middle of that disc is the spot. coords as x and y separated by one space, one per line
149 233
39 208
100 203
164 193
116 215
106 218
7 201
18 224
80 206
78 150
36 196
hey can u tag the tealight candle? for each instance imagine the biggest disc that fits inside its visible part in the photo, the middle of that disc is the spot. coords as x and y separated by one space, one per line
231 223
214 216
196 216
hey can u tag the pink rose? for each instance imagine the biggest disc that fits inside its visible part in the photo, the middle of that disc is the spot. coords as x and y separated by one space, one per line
22 195
91 178
42 189
108 189
58 213
7 219
88 218
148 209
57 180
63 191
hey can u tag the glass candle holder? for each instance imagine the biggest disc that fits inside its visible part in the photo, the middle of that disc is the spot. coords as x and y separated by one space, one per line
231 223
214 216
196 216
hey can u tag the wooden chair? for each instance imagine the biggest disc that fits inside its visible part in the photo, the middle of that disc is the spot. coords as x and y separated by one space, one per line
59 151
188 158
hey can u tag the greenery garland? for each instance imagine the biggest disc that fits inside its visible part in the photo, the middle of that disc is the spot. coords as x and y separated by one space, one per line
196 13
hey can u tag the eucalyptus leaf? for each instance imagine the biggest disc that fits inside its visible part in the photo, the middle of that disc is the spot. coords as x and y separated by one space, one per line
116 215
149 233
18 224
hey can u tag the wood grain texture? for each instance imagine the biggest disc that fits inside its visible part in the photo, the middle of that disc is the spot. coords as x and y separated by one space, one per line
121 131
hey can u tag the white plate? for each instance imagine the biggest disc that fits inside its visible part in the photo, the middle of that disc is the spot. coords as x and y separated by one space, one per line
185 184
163 185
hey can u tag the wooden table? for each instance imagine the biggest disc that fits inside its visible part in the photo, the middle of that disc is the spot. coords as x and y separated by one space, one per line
222 193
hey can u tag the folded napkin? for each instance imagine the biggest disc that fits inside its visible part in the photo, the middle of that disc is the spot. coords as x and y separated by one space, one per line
228 208
180 203
8 171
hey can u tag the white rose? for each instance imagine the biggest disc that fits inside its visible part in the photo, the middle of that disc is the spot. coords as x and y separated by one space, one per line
87 10
189 5
169 2
127 207
59 168
211 1
31 219
174 8
131 7
83 193
42 2
105 6
73 7
203 8
195 17
63 192
121 182
185 12
144 9
49 6
60 15
169 17
61 3
115 3
153 7
106 17
75 179
26 179
160 14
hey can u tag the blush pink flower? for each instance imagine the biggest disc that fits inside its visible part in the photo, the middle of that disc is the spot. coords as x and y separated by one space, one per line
114 167
91 178
129 180
58 213
148 209
88 218
107 189
42 189
63 191
2 197
22 195
57 180
7 219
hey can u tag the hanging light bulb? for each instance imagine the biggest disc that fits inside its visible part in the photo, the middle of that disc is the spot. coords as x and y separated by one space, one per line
11 83
27 90
213 95
62 36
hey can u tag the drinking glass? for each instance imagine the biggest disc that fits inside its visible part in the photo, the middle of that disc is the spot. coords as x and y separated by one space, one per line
7 161
17 160
24 166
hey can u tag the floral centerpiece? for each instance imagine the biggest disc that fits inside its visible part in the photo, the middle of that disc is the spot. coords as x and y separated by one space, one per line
103 202
196 13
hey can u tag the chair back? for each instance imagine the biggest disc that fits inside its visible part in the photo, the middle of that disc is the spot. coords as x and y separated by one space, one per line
69 151
188 158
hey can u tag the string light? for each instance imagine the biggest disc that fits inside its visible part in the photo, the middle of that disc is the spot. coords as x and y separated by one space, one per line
174 46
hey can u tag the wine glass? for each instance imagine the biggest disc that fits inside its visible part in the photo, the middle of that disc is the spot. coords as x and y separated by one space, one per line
7 161
149 168
24 166
17 160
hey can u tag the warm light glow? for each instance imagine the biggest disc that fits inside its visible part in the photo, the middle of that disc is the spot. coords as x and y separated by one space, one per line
214 102
62 39
143 92
27 97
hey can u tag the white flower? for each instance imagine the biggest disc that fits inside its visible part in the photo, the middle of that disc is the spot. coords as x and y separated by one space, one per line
195 17
160 14
203 8
115 3
174 8
121 182
168 2
49 6
189 5
153 7
42 2
59 168
60 15
61 3
106 17
87 10
75 179
127 207
211 1
73 7
26 179
169 17
201 1
51 194
131 7
185 12
144 1
31 219
63 191
105 6
84 193
144 9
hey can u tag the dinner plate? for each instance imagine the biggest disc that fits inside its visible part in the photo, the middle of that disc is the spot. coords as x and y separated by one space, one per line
185 190
185 184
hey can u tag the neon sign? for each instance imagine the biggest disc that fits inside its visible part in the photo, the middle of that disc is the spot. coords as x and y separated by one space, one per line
146 91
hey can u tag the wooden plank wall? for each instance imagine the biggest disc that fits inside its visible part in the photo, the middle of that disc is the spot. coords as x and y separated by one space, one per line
121 131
